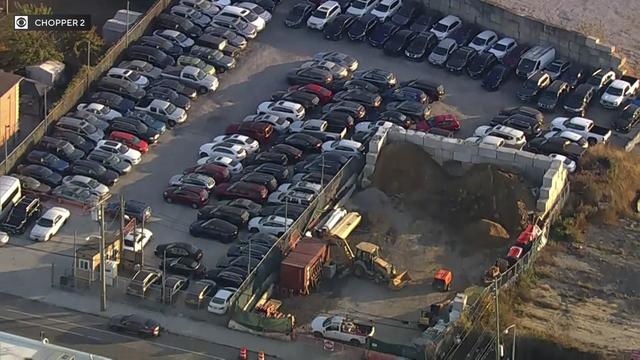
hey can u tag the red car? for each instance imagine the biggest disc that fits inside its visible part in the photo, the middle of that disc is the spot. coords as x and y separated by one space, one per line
241 189
194 196
219 173
260 131
324 94
445 121
130 140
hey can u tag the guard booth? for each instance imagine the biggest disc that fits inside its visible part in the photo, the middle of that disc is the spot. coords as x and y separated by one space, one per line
87 260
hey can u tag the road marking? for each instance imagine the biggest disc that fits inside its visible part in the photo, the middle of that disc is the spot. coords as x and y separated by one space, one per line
115 334
51 328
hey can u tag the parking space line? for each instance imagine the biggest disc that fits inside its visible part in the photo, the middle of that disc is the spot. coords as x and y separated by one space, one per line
114 334
50 327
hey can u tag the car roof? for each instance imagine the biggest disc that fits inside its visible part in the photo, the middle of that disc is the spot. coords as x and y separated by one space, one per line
328 5
447 20
446 42
485 34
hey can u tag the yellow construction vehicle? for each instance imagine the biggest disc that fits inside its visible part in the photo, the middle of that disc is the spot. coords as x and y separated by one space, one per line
367 262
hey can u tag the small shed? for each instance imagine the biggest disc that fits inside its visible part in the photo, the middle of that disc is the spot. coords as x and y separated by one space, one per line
48 73
87 261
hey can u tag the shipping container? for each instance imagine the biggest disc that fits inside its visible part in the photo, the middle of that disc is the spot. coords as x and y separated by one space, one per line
299 273
312 246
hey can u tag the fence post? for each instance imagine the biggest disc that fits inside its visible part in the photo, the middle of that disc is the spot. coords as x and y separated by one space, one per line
53 267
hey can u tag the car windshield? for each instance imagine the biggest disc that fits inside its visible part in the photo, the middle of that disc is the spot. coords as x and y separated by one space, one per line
146 67
615 91
382 7
112 160
479 41
181 37
500 47
169 109
196 15
530 84
440 51
92 183
357 27
320 13
251 16
527 65
199 75
217 300
67 148
359 4
440 27
554 68
45 222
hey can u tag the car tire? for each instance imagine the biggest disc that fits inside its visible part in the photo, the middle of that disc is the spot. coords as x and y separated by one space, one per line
172 123
203 155
317 334
195 205
221 70
203 90
253 230
169 200
354 342
592 141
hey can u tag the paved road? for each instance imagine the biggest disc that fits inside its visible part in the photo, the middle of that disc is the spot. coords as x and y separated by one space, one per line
88 333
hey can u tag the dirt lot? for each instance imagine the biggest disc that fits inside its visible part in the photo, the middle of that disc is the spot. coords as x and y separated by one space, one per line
613 21
587 296
419 233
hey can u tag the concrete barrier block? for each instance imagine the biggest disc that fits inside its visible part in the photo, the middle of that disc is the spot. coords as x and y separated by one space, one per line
556 164
591 41
524 159
545 192
449 144
506 154
462 156
446 155
487 151
541 161
605 48
541 205
548 178
372 159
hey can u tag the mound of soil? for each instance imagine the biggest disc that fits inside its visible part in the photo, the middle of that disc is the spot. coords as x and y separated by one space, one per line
483 234
483 192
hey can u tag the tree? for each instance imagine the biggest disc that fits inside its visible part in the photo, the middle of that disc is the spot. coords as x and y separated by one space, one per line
32 47
76 42
32 9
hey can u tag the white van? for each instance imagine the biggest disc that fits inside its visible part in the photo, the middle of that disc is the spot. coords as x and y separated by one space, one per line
244 14
10 193
536 58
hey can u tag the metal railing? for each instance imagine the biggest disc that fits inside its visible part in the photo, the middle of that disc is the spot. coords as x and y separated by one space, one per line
79 84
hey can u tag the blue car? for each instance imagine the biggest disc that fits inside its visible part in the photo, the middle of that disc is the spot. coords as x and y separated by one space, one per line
49 160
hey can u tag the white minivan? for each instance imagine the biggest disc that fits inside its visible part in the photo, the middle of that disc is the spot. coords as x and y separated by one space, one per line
535 59
244 14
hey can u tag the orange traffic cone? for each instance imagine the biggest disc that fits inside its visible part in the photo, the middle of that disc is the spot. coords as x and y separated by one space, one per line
243 353
261 355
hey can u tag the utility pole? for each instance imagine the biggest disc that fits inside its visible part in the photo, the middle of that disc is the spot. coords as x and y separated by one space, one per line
121 222
127 33
164 272
135 239
73 269
103 283
496 293
88 64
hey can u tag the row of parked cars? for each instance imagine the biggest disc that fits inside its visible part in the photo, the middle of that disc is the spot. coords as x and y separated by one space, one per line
407 28
136 101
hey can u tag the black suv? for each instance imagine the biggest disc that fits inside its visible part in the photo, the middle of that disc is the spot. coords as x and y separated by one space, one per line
25 211
132 208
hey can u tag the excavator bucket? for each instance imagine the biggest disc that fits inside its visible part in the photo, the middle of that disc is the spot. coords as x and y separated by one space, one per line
400 280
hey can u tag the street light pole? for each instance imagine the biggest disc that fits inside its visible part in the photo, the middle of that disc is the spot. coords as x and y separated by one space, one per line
497 310
513 342
88 63
127 33
164 271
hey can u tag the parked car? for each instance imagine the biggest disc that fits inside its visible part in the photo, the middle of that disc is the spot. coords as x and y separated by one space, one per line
481 64
620 92
569 135
30 184
251 191
199 292
381 33
85 182
175 85
484 41
191 14
460 58
221 301
233 215
81 145
129 140
196 197
80 127
299 14
47 159
533 86
75 194
135 324
421 46
129 75
512 58
575 75
193 179
40 173
424 22
411 109
323 15
502 47
553 95
267 157
185 267
386 9
135 127
337 71
362 26
232 151
586 127
170 96
338 28
398 42
215 57
555 145
99 110
367 99
322 93
441 53
178 250
110 161
445 26
407 13
175 22
274 225
306 99
219 173
266 180
152 55
124 88
61 148
600 79
94 170
144 68
557 68
381 78
48 225
361 7
311 75
355 84
214 228
627 119
512 137
579 99
22 214
175 37
233 38
236 25
339 58
132 209
122 151
281 173
234 166
251 207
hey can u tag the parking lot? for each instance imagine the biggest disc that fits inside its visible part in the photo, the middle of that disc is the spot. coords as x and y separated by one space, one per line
260 72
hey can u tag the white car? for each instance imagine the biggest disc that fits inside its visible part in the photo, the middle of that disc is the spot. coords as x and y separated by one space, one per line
176 37
234 167
100 111
256 9
617 92
137 239
512 137
49 224
323 15
221 301
568 164
287 110
367 126
486 140
301 187
250 145
484 41
235 152
274 225
569 135
95 187
195 179
446 26
344 147
290 197
361 7
338 72
173 114
191 14
141 66
245 15
204 6
129 75
386 9
4 238
441 53
123 151
279 124
501 48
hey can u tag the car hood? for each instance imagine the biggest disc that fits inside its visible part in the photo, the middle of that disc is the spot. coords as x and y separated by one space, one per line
611 98
40 231
255 221
316 324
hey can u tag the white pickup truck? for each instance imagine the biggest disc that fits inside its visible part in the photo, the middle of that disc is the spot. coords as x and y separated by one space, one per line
193 77
593 133
343 329
619 91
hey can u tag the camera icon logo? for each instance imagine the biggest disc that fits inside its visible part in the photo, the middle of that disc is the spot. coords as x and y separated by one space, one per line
21 22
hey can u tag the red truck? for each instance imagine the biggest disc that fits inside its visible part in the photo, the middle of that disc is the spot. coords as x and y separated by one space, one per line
257 130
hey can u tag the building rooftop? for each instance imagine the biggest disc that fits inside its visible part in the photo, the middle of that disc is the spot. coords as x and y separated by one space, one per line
18 347
7 81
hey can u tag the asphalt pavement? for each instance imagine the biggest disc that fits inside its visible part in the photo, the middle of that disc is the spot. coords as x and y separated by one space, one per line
90 333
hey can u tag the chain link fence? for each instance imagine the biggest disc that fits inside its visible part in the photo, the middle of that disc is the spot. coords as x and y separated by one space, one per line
81 83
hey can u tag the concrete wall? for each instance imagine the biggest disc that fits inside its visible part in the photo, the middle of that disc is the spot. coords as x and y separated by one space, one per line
548 174
571 44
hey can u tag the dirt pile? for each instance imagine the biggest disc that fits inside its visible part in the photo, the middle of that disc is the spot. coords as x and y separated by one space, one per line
486 233
482 193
